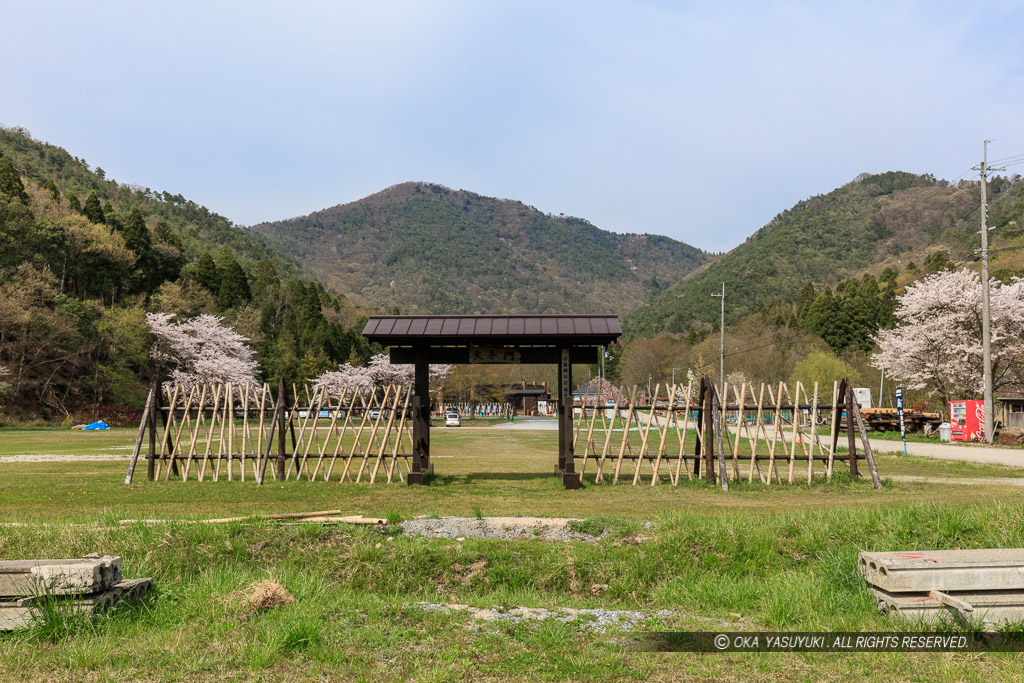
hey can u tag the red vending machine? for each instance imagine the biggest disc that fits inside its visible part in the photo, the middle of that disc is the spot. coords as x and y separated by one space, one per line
967 420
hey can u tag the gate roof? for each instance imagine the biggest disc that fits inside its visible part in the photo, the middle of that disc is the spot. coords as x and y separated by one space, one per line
525 330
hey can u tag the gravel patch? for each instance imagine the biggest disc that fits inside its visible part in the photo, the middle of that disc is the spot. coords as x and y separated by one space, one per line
591 619
502 528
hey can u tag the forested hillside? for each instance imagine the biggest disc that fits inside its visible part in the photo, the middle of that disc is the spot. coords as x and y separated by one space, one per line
83 258
427 248
876 222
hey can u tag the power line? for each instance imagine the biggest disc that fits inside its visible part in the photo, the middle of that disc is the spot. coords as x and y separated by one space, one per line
969 154
1014 157
1007 135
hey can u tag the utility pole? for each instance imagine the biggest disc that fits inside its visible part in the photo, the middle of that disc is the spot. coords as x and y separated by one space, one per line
986 320
721 345
881 386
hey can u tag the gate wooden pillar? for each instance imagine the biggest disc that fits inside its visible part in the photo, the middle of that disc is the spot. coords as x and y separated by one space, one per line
566 461
421 417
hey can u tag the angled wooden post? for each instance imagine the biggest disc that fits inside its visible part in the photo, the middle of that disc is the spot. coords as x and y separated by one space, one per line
869 456
143 423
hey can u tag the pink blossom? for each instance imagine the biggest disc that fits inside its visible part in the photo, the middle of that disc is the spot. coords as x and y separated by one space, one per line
937 341
380 372
201 350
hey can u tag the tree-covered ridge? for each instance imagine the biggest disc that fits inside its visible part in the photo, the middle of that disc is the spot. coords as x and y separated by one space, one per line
198 228
427 248
83 259
874 222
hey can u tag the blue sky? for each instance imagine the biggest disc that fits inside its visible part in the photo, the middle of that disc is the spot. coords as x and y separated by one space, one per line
697 120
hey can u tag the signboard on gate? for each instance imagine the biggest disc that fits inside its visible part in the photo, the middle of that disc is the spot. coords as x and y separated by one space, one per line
493 354
566 370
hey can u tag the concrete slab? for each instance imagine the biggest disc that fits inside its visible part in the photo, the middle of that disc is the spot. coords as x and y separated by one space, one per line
993 607
74 576
945 570
15 614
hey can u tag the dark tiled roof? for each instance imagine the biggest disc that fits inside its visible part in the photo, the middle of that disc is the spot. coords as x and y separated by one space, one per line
392 330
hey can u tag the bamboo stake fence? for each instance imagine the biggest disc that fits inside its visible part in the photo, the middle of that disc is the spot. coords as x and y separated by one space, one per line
689 430
218 431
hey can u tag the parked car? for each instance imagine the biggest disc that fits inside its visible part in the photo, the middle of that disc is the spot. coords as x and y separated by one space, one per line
452 420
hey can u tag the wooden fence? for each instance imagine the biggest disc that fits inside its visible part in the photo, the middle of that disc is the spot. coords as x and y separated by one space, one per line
690 431
219 430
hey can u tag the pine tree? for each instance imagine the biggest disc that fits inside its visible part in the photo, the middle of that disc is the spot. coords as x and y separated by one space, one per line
92 209
807 296
234 286
136 234
52 187
207 274
10 182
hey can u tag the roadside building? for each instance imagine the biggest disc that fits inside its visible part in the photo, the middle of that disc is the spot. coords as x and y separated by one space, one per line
1009 409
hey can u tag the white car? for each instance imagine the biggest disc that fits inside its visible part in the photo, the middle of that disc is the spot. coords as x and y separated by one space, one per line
452 420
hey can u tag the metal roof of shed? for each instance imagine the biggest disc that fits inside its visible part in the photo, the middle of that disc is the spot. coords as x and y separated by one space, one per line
401 330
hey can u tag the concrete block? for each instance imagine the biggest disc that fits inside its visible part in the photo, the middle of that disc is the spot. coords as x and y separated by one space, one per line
18 613
23 578
945 570
992 607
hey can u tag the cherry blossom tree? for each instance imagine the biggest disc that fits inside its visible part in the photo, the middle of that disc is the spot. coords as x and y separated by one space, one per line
605 392
937 342
380 372
345 377
201 349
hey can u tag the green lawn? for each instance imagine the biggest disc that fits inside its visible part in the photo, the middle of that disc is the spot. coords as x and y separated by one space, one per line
757 557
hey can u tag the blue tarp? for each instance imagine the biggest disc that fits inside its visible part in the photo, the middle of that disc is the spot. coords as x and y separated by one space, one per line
95 426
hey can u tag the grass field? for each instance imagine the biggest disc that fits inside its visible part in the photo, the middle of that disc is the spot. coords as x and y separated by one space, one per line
757 557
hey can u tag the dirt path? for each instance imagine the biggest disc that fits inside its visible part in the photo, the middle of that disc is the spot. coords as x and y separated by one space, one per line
964 481
62 457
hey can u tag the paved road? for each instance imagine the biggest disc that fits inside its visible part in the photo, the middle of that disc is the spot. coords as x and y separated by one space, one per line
1014 457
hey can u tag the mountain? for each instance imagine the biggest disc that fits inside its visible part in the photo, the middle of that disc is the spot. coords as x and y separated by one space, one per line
430 249
199 228
84 258
889 220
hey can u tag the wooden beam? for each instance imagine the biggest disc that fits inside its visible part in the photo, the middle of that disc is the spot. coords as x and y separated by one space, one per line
444 355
